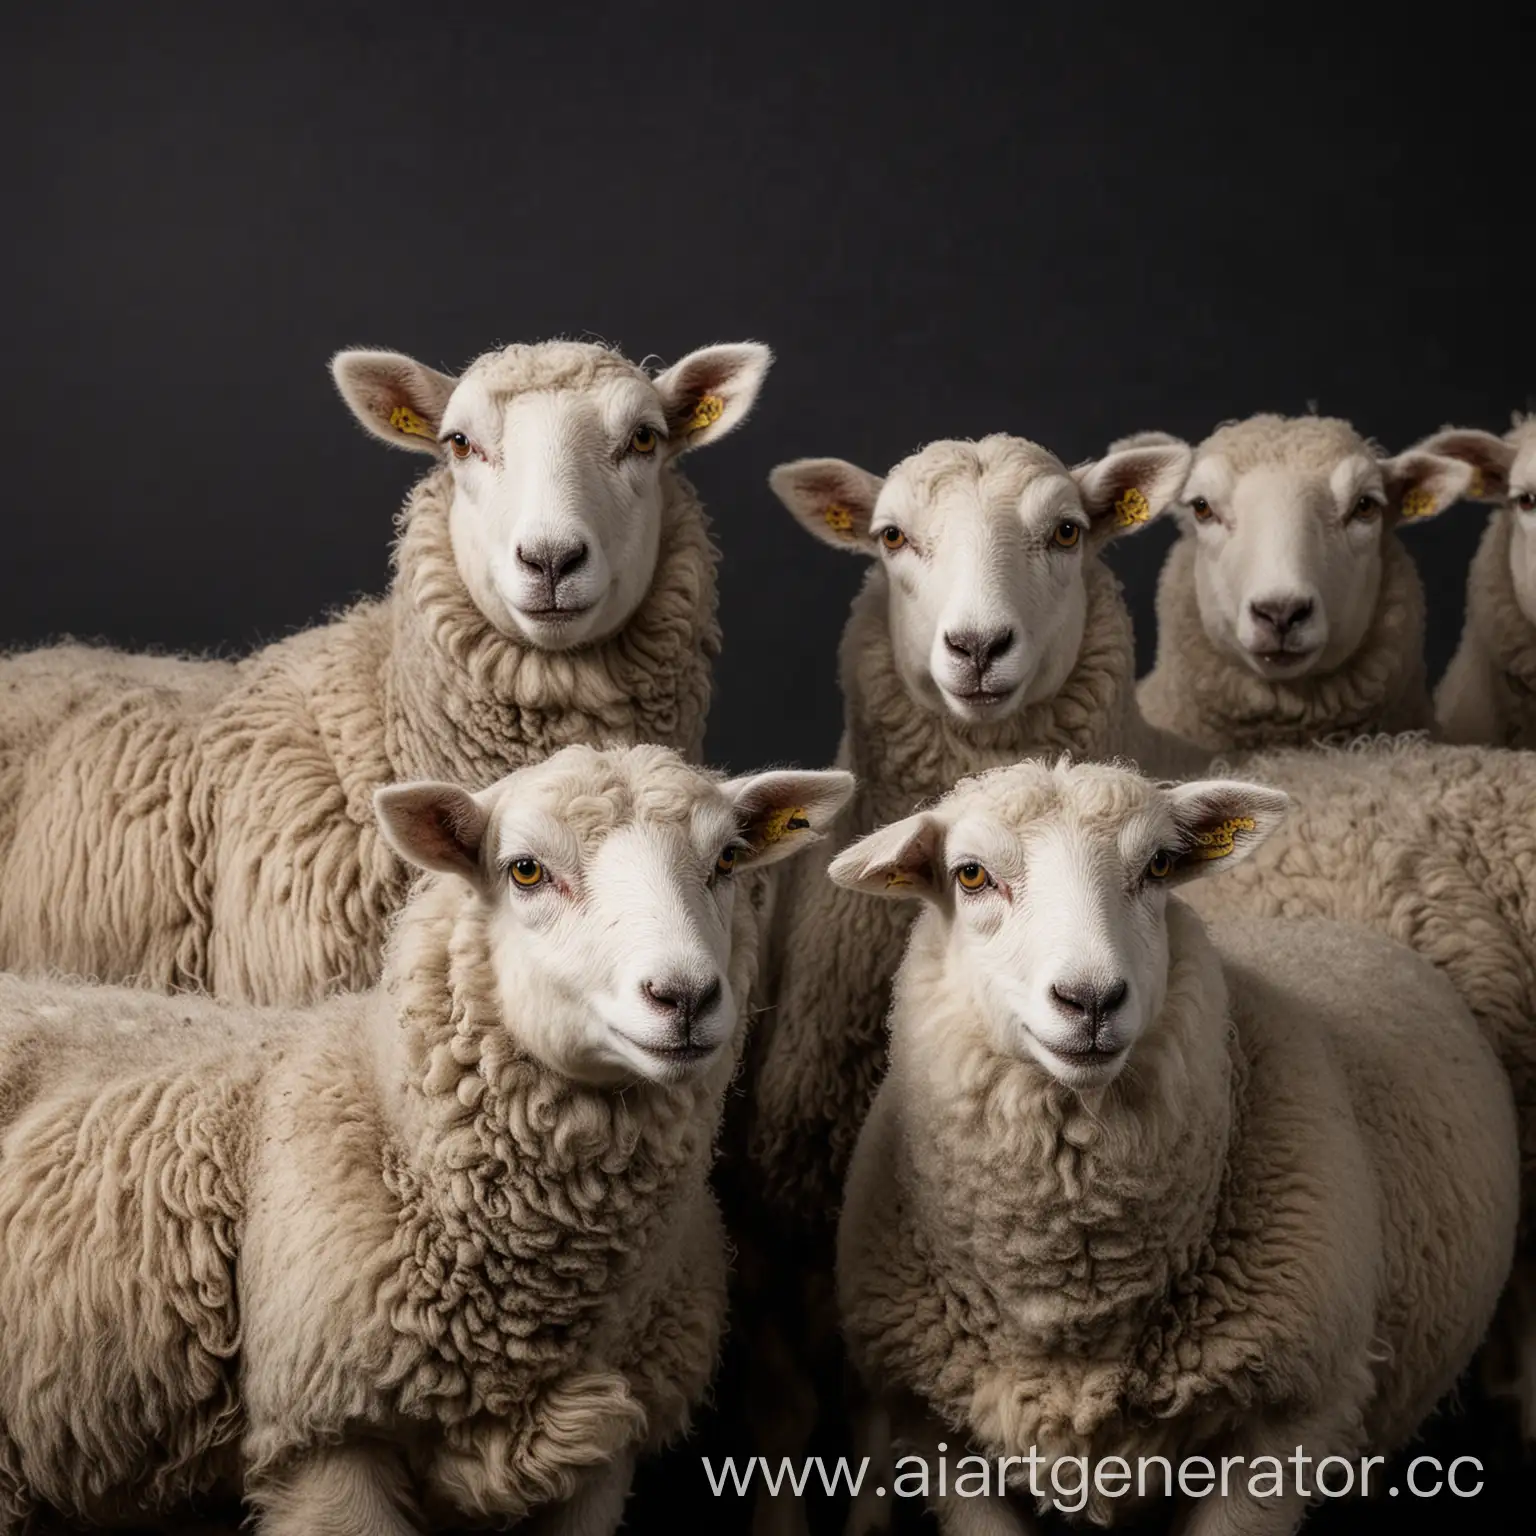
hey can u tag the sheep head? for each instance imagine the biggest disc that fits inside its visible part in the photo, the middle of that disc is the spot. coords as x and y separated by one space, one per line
1053 882
1289 517
607 880
1503 470
560 455
983 547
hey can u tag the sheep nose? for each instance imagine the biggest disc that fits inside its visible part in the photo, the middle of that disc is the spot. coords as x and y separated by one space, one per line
683 999
981 650
1282 614
1090 1001
553 562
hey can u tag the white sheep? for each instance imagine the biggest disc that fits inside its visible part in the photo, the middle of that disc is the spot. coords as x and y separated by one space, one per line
443 1252
987 627
185 824
1289 610
1431 846
1488 693
1130 1189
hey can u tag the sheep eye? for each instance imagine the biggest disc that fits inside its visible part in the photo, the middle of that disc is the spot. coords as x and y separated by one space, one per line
643 440
1201 508
459 445
892 537
1161 865
972 877
1067 535
1364 509
1526 501
527 873
727 860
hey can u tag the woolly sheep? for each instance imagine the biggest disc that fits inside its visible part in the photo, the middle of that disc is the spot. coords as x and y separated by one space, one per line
1289 610
1488 693
207 825
441 1251
987 627
1134 1189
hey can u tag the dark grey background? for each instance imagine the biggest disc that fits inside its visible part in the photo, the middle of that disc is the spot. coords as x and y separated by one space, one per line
1067 222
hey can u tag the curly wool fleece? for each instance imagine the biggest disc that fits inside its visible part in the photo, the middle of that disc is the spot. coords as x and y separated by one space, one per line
501 1279
1231 1241
209 825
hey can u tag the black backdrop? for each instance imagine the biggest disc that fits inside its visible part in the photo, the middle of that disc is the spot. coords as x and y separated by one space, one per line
1068 221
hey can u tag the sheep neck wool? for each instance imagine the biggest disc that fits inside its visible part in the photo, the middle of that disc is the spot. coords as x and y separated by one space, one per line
1211 698
527 1202
461 694
1506 634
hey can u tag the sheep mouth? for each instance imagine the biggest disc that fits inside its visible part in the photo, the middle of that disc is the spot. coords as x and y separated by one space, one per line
683 1056
983 700
1084 1068
1281 656
555 615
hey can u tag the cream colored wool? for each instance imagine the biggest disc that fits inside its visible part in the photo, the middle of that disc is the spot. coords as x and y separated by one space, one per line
1199 692
1431 846
1488 693
1221 1253
208 825
376 1239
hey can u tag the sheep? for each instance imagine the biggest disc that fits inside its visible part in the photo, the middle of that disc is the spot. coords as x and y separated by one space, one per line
439 1252
207 825
1136 1188
1289 611
1432 846
987 627
1488 693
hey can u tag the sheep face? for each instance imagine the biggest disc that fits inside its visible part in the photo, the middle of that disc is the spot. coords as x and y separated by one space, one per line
562 459
1503 470
1288 518
982 548
607 884
1051 885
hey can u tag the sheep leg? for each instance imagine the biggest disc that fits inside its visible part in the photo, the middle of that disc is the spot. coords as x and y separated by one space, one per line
345 1490
597 1506
918 1433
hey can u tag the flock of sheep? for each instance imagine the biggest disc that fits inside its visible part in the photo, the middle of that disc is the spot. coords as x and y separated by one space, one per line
378 1101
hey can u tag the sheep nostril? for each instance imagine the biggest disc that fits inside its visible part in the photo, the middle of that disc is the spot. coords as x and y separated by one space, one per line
684 1000
572 561
1000 646
1070 999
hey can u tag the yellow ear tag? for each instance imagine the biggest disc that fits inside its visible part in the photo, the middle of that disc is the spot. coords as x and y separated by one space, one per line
779 825
1475 488
1418 503
706 413
839 518
404 419
892 881
1220 840
1132 508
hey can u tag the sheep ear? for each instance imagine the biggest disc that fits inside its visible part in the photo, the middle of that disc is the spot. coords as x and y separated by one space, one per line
780 813
832 499
1220 822
1421 484
1132 483
710 392
1491 459
901 860
434 826
394 396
